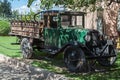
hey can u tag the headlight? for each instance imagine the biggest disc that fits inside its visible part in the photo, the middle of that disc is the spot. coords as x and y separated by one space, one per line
87 38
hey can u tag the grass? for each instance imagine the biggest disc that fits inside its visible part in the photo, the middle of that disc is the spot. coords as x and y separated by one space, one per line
57 65
4 27
8 49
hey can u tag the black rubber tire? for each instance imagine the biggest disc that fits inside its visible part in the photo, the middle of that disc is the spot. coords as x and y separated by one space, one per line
26 48
108 61
74 59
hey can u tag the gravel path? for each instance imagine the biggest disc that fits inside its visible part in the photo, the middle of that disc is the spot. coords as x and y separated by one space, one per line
13 69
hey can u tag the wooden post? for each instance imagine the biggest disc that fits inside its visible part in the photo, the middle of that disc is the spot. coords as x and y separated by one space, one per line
83 21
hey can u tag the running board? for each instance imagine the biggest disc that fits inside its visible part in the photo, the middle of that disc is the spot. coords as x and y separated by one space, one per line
49 52
96 57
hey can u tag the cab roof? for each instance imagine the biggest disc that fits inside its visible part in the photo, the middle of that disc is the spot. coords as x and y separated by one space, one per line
62 12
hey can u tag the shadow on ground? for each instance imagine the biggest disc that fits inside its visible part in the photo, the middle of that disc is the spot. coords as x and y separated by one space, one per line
57 65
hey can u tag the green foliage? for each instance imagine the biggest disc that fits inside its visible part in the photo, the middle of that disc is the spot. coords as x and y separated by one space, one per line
24 17
4 27
5 8
15 13
30 2
72 4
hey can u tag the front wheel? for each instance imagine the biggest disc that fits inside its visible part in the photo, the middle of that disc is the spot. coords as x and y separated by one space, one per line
111 60
26 48
74 59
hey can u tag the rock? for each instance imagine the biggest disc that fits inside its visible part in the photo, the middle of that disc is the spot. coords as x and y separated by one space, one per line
14 69
3 58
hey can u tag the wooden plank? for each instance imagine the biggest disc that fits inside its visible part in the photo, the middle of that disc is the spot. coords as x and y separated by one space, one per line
28 29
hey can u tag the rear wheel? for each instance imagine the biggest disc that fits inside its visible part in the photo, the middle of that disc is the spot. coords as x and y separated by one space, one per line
111 60
26 48
74 59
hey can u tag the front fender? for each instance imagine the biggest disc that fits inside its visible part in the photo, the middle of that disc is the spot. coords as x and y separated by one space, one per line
74 43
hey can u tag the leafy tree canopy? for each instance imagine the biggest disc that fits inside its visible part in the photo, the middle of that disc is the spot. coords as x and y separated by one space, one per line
72 4
67 3
5 8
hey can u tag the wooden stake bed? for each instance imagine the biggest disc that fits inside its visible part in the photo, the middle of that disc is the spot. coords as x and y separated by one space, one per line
25 29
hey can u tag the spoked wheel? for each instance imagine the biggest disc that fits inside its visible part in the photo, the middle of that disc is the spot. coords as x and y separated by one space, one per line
111 60
74 59
26 48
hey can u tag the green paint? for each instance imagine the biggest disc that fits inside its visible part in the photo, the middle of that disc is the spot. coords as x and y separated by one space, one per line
58 37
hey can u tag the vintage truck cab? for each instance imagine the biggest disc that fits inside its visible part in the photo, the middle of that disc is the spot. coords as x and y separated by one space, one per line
63 32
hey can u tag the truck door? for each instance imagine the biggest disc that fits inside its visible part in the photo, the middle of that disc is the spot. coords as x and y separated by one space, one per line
51 32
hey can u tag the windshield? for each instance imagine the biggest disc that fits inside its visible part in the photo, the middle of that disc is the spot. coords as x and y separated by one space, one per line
71 20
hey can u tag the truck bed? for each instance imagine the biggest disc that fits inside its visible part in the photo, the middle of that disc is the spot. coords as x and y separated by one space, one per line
25 29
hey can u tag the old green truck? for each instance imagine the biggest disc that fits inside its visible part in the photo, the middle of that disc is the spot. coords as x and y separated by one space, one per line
63 32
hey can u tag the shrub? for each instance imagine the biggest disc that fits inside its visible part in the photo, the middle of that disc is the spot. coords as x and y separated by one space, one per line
4 27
